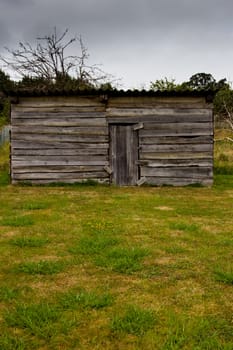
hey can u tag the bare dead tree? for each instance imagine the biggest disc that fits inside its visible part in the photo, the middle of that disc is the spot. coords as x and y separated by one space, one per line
228 117
48 59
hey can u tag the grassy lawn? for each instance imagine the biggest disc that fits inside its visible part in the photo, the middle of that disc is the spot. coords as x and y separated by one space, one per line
97 267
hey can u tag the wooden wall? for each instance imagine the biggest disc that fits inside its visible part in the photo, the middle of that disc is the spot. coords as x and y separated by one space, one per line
175 137
59 140
66 139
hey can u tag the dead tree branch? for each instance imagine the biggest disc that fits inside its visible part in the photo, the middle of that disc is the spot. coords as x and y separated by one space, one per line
49 59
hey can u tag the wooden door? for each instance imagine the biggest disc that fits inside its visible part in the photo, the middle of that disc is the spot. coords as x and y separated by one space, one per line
124 154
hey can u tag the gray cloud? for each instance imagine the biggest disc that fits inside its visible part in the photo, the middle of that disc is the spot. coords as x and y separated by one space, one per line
134 39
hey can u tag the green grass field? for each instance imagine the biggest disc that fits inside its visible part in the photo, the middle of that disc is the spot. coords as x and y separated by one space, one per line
98 267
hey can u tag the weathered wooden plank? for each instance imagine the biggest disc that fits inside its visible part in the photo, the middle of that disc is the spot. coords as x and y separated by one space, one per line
158 119
189 113
61 152
149 101
60 138
159 181
82 130
169 140
60 176
176 131
20 110
178 172
33 144
123 155
60 122
173 155
206 162
60 101
36 162
57 169
179 126
35 118
177 148
68 181
59 157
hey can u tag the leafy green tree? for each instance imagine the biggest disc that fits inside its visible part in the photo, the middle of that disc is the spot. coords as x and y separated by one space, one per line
163 85
204 81
6 84
201 81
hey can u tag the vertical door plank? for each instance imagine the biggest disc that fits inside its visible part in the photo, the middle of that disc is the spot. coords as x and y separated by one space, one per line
124 154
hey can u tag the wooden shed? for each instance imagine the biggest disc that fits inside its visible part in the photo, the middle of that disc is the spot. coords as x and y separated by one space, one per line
125 138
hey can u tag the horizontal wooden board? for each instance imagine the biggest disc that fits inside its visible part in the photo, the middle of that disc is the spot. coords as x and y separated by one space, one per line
205 147
158 119
60 138
60 113
36 162
173 155
178 172
68 181
170 140
60 176
32 144
61 152
172 181
179 126
160 114
58 130
37 117
149 101
59 157
184 131
58 169
60 122
59 101
20 110
206 162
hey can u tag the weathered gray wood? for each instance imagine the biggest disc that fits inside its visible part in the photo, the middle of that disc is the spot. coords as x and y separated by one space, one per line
155 113
61 152
58 169
205 147
124 154
176 140
65 122
108 169
158 120
61 158
138 126
60 101
68 181
133 112
141 181
67 139
178 172
36 162
60 138
184 131
60 176
149 102
21 110
79 130
179 126
178 155
32 144
206 162
172 181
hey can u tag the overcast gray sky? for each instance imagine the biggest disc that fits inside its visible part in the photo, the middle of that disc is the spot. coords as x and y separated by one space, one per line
136 40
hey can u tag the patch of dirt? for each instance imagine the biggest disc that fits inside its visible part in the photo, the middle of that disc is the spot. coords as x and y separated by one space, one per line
164 208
